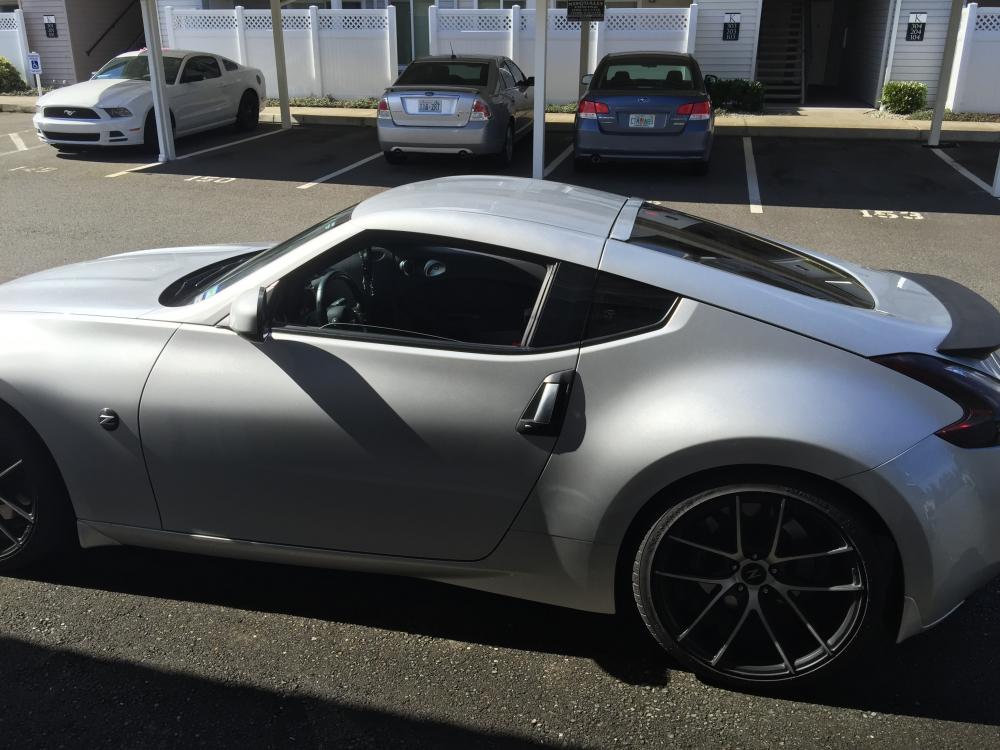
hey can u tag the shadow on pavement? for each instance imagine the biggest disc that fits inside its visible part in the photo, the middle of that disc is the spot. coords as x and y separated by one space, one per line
72 700
950 673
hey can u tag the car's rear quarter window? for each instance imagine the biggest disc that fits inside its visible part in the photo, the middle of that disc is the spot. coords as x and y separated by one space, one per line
736 252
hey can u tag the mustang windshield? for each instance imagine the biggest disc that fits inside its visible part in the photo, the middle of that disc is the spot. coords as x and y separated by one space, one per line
209 281
136 68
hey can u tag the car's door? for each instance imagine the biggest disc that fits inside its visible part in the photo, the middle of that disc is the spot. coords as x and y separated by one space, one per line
198 99
383 412
526 92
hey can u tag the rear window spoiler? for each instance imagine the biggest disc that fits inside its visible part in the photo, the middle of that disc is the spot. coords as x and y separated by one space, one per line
975 323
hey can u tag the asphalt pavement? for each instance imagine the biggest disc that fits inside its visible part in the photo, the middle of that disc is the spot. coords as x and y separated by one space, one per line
132 648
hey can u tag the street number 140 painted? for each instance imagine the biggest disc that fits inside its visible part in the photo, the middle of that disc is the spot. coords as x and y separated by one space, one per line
911 215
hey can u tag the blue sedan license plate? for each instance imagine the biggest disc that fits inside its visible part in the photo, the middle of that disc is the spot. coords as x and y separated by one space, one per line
432 106
641 121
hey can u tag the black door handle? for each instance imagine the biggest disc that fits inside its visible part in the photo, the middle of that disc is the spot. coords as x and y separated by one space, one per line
545 411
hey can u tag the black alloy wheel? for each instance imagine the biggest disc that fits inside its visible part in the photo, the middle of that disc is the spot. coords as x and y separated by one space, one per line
248 113
757 583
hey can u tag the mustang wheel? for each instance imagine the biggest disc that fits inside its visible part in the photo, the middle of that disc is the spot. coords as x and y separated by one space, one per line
35 519
248 113
760 583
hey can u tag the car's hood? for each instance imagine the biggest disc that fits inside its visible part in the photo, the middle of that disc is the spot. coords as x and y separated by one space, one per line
108 92
126 285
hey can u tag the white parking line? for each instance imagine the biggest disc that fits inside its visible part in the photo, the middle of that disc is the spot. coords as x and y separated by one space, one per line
964 172
18 141
199 153
753 189
344 170
557 161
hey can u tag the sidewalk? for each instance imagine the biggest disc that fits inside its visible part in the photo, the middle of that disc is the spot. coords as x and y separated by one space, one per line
803 122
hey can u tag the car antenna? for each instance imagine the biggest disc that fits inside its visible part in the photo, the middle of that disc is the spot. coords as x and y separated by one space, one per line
452 45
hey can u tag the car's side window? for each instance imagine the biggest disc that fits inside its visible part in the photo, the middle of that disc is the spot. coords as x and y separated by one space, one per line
507 78
416 289
230 65
200 68
515 71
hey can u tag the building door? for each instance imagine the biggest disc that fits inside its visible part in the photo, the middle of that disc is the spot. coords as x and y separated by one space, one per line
421 27
404 31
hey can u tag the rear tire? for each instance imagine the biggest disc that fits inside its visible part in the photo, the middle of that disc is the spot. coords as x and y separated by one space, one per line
394 157
739 584
36 519
248 112
506 154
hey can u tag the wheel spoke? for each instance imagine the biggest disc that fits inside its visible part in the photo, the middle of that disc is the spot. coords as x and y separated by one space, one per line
732 636
805 621
704 548
839 587
777 530
712 602
18 509
10 468
812 555
774 638
14 540
739 529
695 579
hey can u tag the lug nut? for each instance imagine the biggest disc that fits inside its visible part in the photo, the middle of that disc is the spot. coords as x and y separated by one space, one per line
774 571
735 566
766 590
741 587
753 556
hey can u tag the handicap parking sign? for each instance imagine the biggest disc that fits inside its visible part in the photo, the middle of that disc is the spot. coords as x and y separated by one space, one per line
34 63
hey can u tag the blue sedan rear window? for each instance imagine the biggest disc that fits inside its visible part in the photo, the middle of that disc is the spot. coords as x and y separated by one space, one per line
726 249
645 72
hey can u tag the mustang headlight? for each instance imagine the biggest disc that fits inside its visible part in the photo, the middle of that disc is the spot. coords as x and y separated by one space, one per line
117 112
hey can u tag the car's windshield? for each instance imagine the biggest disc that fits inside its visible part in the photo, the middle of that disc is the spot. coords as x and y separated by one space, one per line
445 73
649 72
715 245
207 282
136 68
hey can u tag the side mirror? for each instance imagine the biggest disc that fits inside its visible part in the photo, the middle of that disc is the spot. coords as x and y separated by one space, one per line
710 79
585 80
248 314
528 82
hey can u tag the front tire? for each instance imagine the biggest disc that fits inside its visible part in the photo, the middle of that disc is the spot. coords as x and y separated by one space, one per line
36 520
248 112
762 584
506 154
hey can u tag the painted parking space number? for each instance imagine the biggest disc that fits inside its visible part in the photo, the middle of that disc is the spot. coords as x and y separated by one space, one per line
911 215
34 170
208 178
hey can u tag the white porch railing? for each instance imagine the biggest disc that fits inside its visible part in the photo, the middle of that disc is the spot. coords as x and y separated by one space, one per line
977 59
14 42
341 53
512 32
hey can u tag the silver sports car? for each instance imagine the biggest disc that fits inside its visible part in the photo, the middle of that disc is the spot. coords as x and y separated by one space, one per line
776 457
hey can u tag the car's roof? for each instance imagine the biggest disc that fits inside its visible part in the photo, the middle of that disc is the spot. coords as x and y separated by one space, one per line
460 58
651 53
547 203
166 53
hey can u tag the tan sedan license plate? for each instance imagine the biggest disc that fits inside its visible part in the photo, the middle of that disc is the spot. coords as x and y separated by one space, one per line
431 106
641 121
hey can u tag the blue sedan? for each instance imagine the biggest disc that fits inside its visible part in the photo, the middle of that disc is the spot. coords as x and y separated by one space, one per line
645 106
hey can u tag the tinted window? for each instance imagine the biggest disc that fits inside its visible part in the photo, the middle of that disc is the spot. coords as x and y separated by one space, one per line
622 306
714 245
627 73
200 69
402 286
518 74
136 68
230 65
445 73
507 78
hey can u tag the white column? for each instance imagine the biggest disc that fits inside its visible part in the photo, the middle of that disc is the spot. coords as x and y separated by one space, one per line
168 17
337 5
22 44
161 110
392 52
692 30
756 41
278 33
432 29
317 66
944 76
601 43
241 35
514 47
584 56
538 131
963 50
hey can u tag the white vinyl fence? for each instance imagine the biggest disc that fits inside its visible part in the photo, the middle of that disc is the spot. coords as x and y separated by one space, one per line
342 53
14 42
977 61
512 33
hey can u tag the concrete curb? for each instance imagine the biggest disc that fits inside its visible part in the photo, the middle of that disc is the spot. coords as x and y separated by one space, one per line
28 108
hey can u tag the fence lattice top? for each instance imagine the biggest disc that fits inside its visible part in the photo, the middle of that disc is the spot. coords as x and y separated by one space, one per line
260 21
499 21
8 22
988 20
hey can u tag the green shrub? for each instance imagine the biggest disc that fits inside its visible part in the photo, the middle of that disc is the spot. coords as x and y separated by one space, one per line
736 94
904 97
10 78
